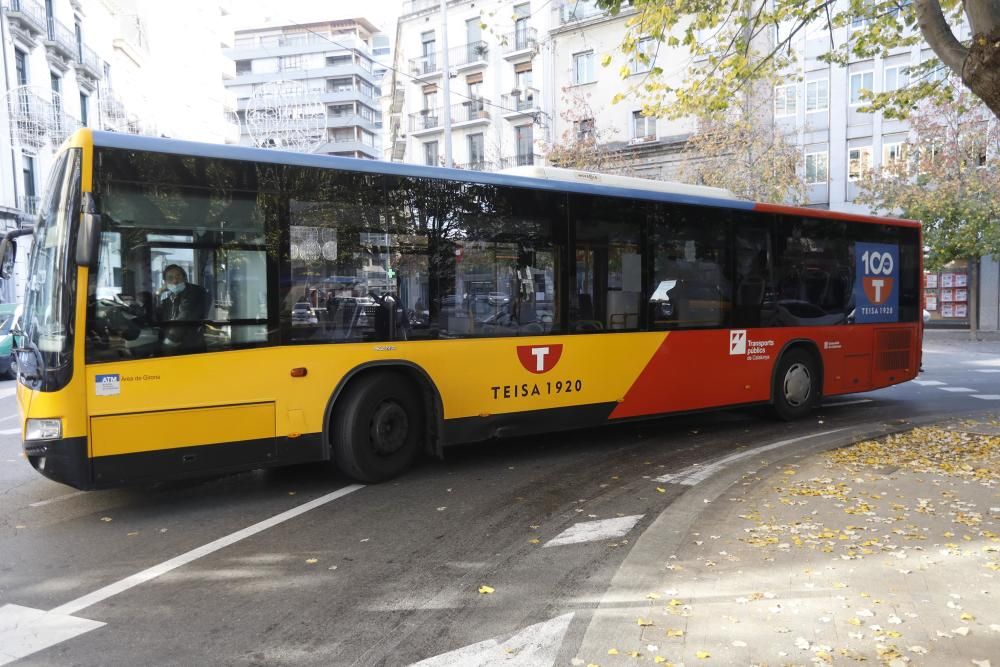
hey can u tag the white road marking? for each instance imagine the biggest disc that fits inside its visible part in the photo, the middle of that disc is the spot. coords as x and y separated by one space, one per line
57 499
24 631
855 402
987 370
10 431
13 416
957 390
9 391
987 397
591 531
534 646
698 473
927 383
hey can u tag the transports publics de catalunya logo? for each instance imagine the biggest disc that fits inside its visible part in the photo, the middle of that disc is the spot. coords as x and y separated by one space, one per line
539 358
737 341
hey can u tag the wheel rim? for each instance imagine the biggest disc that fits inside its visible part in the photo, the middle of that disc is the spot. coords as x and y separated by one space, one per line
389 427
798 385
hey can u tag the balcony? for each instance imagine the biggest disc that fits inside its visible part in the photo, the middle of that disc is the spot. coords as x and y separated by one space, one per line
520 45
26 19
60 45
426 67
62 126
28 204
524 160
89 67
30 115
471 112
478 165
469 56
578 10
521 103
414 6
426 120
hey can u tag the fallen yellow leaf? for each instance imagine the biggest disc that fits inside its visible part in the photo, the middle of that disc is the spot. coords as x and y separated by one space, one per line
660 489
703 654
673 632
612 651
486 590
311 560
534 541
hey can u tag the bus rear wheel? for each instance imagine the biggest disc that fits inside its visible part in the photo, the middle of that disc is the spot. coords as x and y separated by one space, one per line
796 385
377 427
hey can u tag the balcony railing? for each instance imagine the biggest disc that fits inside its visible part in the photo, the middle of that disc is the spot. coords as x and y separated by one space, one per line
89 62
477 165
522 160
30 14
520 40
61 38
425 64
28 204
578 10
476 109
62 126
467 54
521 100
426 119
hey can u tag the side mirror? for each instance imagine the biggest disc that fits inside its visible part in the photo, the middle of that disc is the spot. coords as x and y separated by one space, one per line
89 236
8 253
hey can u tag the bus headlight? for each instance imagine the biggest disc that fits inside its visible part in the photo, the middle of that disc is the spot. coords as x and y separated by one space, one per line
43 429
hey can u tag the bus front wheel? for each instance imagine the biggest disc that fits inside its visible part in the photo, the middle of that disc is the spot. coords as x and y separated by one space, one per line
796 385
377 427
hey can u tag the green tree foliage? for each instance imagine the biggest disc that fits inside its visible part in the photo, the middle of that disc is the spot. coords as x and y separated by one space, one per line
727 46
951 183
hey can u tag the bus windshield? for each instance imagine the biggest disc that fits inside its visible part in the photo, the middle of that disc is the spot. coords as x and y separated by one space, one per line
45 361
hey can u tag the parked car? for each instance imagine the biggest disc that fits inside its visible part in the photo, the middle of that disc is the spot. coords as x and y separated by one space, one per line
7 359
303 315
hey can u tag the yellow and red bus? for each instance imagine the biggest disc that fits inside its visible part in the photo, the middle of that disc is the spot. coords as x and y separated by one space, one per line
197 309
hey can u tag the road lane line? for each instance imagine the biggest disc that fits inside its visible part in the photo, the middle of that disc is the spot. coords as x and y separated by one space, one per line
856 402
927 383
536 645
157 570
9 391
987 397
957 390
57 499
13 416
987 370
10 431
696 474
592 531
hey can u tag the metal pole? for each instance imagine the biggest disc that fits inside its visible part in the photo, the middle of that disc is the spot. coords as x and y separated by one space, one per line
446 74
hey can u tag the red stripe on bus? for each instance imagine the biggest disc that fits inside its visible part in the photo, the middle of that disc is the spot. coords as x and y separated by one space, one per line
833 215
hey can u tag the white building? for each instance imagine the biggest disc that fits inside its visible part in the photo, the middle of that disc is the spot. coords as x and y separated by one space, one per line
341 63
525 75
106 64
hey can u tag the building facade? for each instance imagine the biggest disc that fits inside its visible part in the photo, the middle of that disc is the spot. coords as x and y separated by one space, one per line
338 64
107 64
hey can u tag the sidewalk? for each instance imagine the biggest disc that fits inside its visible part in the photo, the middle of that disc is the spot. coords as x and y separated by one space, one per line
887 552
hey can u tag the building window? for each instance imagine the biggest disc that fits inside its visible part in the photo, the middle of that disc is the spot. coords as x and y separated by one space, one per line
431 153
893 154
645 52
430 100
817 167
584 129
583 67
818 95
28 173
84 110
785 100
290 62
244 66
525 142
21 65
896 78
477 151
859 162
643 127
345 85
861 81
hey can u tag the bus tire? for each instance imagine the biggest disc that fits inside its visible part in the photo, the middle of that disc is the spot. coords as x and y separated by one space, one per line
796 385
377 427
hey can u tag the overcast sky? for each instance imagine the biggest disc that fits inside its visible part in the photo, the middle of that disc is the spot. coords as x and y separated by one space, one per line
257 13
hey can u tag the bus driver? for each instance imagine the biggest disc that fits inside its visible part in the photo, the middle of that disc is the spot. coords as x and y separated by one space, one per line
185 303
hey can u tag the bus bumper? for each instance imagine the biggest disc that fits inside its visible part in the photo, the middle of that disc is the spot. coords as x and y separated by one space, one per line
64 461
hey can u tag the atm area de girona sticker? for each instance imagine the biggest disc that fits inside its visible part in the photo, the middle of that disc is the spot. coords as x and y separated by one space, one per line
876 287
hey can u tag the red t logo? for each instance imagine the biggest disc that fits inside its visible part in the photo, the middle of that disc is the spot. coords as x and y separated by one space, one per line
539 358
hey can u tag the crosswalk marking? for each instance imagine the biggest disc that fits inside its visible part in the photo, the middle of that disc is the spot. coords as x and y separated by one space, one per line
927 383
987 370
987 397
957 390
591 531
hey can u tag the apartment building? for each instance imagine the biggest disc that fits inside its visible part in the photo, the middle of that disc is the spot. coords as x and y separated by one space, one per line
340 64
108 64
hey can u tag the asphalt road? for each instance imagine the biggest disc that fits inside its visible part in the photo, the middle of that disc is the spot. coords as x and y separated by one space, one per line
387 574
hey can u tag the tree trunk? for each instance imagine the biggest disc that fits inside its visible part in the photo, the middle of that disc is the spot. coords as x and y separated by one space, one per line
981 71
973 298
